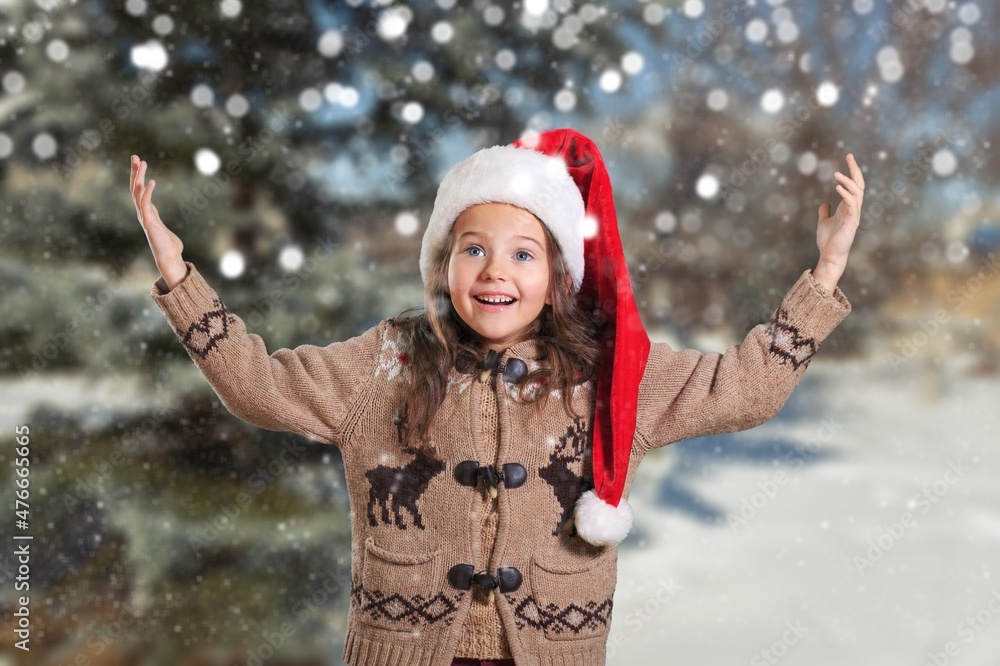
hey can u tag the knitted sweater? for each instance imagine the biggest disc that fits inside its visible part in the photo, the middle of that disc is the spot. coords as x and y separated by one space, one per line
439 568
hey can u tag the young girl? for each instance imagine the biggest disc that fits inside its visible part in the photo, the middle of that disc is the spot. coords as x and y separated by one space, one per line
485 517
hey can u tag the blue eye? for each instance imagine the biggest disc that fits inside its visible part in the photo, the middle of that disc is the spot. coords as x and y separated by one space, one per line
519 254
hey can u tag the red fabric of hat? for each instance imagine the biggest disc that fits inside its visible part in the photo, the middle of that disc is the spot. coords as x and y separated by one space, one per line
606 291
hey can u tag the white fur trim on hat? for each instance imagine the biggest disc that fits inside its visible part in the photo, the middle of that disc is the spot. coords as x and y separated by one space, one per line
599 523
521 177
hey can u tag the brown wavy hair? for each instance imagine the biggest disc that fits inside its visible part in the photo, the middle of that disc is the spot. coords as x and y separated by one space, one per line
567 338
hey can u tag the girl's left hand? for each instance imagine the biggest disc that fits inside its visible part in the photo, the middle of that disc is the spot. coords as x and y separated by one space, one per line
835 234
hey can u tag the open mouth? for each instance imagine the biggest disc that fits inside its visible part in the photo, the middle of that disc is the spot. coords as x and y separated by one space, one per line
495 300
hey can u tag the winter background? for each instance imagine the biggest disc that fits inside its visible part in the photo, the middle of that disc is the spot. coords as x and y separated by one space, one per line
297 146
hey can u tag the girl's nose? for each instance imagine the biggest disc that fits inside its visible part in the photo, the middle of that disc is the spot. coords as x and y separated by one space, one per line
493 269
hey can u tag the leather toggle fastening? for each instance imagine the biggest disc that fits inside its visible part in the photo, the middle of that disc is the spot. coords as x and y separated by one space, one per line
509 578
470 473
513 475
485 583
513 371
462 577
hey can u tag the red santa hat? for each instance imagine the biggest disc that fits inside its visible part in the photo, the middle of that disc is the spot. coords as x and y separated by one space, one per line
560 177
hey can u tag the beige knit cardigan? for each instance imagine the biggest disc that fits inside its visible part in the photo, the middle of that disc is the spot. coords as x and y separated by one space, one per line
416 527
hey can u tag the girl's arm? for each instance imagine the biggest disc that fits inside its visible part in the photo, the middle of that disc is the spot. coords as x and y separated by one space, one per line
685 394
308 390
688 394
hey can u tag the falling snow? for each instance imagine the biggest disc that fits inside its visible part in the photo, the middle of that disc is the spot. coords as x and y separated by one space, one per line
296 153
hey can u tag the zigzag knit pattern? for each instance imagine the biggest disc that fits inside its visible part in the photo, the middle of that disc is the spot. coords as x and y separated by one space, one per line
205 334
397 610
788 343
593 617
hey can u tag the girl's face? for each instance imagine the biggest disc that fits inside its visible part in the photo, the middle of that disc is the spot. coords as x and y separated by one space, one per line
498 252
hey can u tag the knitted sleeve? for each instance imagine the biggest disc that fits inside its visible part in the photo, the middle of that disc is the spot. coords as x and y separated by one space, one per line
685 394
308 390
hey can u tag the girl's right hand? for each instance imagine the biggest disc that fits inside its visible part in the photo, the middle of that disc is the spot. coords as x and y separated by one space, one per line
164 243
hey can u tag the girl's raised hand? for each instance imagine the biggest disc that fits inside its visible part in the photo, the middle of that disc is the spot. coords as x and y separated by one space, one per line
164 243
835 234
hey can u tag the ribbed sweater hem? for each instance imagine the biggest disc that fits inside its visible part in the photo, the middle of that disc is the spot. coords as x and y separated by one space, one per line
816 308
578 659
360 651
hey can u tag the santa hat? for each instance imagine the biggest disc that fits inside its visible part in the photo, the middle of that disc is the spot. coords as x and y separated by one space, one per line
560 177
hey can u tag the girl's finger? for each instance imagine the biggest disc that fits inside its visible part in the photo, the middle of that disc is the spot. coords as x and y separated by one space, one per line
856 174
144 201
849 186
846 194
852 203
148 194
853 186
139 178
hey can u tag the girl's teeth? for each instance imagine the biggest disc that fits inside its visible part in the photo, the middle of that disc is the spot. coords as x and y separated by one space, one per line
502 301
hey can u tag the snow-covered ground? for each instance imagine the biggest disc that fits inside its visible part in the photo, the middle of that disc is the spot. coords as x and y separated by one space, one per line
869 532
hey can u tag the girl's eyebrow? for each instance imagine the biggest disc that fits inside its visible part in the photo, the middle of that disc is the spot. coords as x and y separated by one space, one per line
526 238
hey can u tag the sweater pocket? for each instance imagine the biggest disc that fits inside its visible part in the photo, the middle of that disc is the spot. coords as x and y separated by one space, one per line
399 591
574 601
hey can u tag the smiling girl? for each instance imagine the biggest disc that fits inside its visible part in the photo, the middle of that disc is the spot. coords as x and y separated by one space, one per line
485 518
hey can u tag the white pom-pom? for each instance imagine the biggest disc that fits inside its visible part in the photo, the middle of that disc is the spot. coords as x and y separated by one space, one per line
599 523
